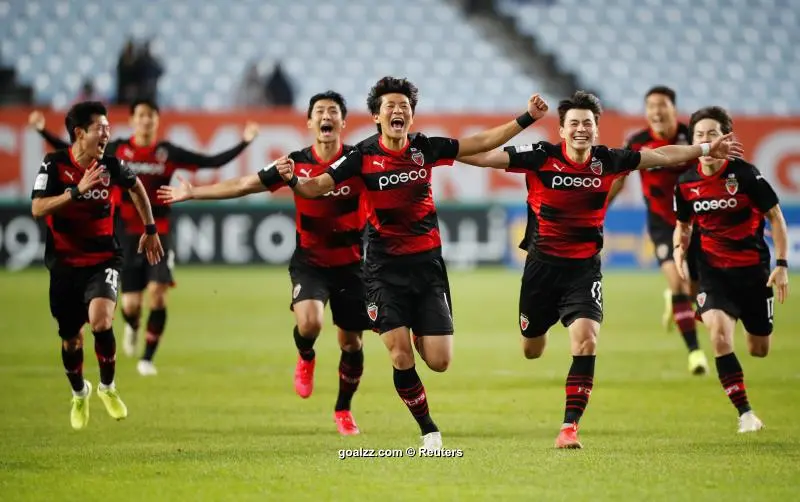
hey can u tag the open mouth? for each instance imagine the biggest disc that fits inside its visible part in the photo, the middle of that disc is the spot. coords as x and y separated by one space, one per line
397 124
580 138
326 128
101 146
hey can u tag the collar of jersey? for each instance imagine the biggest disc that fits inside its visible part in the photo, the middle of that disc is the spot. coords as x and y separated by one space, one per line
571 162
394 153
319 159
711 176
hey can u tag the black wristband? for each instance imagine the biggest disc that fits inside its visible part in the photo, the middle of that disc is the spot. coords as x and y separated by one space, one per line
525 120
293 182
150 229
781 263
74 193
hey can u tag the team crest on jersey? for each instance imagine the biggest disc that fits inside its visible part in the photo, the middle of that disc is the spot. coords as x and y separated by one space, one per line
161 155
105 176
417 157
523 322
596 167
372 311
296 291
701 299
731 185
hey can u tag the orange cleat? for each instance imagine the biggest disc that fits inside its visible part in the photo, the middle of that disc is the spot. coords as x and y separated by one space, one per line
345 423
304 377
568 437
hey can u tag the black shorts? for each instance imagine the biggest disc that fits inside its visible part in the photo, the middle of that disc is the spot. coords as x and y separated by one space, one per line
693 256
137 273
411 295
72 289
554 291
742 294
661 234
343 286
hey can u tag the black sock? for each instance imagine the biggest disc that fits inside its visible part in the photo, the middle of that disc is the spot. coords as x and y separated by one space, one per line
73 366
731 377
155 328
132 320
351 367
683 314
580 381
105 348
305 346
410 389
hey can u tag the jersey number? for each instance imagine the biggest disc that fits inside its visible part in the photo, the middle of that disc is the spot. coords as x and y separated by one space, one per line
597 293
770 309
112 278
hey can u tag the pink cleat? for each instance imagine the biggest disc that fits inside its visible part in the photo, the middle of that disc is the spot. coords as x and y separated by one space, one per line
345 423
304 377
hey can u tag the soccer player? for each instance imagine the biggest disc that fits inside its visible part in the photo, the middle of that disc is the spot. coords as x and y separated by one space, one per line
77 191
154 161
568 186
726 201
326 264
406 279
658 184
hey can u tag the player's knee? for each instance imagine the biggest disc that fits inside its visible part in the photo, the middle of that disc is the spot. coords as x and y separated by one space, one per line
758 348
402 359
533 348
102 323
438 363
73 344
350 341
309 326
721 341
158 296
132 304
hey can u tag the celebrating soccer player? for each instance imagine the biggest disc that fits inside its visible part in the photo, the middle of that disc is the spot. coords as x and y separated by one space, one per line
327 261
406 279
77 191
726 201
568 186
658 184
154 162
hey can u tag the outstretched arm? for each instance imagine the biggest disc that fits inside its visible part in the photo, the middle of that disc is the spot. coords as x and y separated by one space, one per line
37 121
497 136
195 159
721 148
228 189
496 159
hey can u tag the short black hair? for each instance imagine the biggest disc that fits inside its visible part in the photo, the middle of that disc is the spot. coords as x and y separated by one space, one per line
333 96
81 115
143 101
664 91
715 113
390 85
581 100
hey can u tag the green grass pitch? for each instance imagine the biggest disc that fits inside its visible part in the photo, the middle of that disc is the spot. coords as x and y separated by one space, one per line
222 422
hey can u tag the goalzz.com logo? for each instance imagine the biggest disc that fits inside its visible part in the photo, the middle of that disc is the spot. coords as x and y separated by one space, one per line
388 180
713 205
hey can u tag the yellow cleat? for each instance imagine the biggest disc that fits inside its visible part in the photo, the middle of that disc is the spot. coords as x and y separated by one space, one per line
698 364
79 415
113 403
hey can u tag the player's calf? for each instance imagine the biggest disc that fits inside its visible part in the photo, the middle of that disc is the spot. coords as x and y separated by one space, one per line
131 313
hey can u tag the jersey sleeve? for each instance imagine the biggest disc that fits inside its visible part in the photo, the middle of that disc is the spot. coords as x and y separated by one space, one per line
122 174
53 140
44 185
444 150
270 178
347 166
683 210
759 190
623 161
193 160
526 158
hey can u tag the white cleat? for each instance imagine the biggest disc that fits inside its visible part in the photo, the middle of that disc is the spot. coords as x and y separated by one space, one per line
129 340
432 441
749 422
146 368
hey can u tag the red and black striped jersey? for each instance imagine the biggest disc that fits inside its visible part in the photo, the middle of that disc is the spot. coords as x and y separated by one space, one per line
658 183
154 164
401 215
567 201
81 234
727 209
330 227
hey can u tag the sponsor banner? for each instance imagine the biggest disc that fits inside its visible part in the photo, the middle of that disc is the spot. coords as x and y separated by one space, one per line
265 234
472 235
771 143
